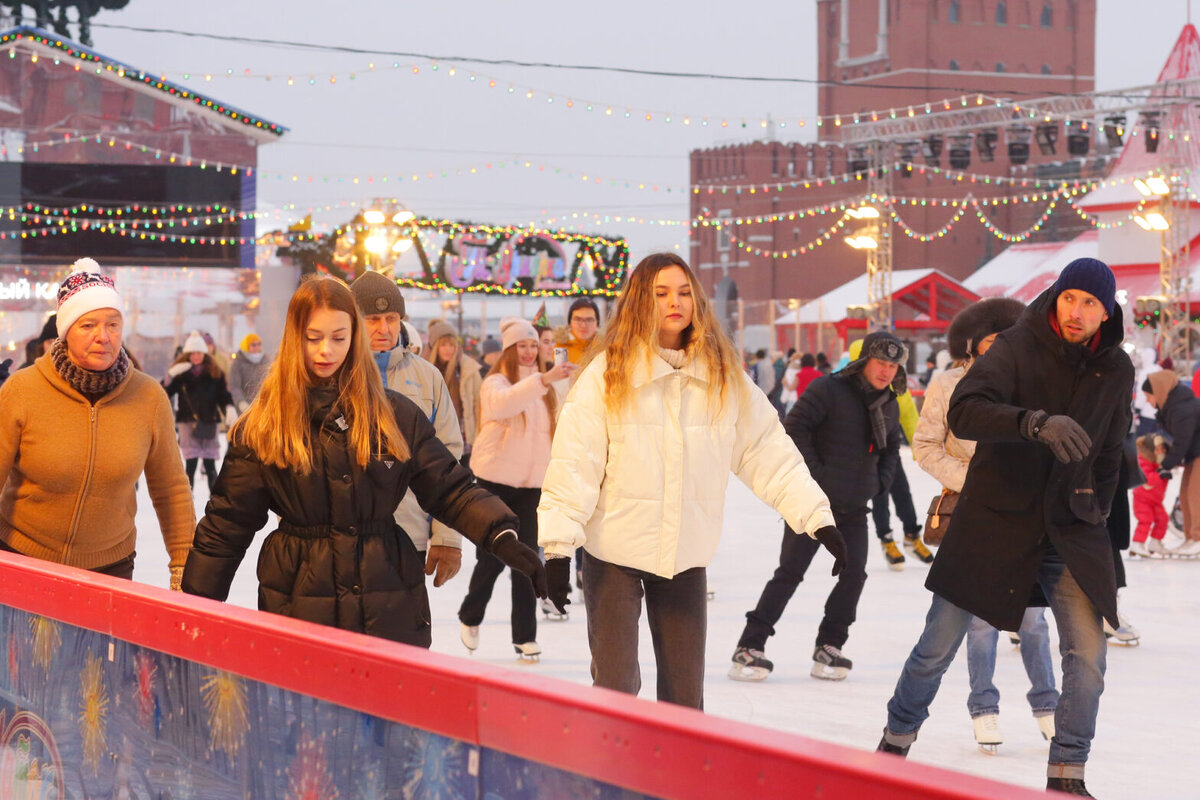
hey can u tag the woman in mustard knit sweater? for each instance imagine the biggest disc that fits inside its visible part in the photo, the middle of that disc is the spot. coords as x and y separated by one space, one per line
79 427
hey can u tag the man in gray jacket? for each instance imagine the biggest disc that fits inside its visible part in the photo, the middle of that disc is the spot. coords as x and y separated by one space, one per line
382 307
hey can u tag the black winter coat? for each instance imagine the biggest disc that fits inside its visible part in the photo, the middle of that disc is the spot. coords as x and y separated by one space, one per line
1017 496
202 398
831 427
338 557
1179 416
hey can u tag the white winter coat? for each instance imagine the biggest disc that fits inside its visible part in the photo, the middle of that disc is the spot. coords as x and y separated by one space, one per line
645 489
938 451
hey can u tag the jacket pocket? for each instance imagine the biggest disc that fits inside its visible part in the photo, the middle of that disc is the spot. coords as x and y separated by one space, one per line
1083 504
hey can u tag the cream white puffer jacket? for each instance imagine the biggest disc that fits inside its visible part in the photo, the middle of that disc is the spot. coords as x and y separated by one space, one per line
646 488
938 451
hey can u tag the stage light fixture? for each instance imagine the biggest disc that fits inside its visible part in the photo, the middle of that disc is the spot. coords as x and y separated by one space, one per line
933 149
985 144
908 151
1151 120
1046 137
960 150
858 161
1079 138
1114 130
1018 143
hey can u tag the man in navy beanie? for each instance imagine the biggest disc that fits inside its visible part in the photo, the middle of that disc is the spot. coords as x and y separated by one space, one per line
1049 406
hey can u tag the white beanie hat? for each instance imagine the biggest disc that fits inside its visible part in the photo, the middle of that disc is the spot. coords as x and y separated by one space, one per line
195 343
85 290
515 329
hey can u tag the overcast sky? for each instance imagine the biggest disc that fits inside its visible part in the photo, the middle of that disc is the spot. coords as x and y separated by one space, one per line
391 122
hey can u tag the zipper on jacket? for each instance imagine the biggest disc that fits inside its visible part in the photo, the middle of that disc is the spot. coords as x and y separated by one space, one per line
83 489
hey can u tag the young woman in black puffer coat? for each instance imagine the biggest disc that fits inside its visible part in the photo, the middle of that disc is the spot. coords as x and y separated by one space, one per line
203 396
331 452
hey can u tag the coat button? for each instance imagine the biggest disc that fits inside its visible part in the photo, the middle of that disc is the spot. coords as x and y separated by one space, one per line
345 479
356 589
352 530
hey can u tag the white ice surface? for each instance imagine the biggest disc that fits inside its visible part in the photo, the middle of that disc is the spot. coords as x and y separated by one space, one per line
1144 732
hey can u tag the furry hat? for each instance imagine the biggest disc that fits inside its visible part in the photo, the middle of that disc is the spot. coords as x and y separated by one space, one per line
515 329
884 346
978 321
84 290
195 343
1146 445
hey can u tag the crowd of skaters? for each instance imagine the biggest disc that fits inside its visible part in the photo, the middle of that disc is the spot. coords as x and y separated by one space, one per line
380 453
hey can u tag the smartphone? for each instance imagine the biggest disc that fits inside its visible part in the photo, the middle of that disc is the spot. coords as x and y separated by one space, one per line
560 355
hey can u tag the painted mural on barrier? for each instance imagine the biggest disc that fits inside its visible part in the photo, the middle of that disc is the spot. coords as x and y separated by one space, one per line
85 716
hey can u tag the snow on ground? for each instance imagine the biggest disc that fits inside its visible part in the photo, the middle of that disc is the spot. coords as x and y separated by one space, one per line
1143 732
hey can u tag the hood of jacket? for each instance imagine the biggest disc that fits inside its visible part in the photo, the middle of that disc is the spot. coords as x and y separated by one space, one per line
1161 384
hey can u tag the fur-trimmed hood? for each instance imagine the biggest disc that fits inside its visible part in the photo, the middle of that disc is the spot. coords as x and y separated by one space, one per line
980 320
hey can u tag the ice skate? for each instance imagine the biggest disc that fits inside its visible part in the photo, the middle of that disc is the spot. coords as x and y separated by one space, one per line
470 636
895 749
553 613
1139 549
892 554
1157 548
1189 548
1046 726
829 664
750 665
918 549
528 651
1126 635
1067 786
987 732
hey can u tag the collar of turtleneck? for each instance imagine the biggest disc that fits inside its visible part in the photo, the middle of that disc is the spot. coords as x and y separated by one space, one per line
90 384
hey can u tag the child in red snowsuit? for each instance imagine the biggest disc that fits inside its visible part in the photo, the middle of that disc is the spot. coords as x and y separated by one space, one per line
1152 518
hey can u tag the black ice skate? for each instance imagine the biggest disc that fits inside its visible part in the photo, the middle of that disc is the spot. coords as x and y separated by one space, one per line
553 613
1067 786
894 749
750 665
829 664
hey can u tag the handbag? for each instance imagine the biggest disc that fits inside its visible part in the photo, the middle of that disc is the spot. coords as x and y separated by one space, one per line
938 517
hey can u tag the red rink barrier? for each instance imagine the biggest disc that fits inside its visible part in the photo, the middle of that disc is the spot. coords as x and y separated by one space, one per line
651 748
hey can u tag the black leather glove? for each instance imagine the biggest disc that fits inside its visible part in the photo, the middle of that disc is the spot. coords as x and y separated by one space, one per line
1063 435
4 367
522 558
832 540
558 581
1165 474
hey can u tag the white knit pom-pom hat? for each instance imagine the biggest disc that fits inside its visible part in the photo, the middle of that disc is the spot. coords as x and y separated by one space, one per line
84 290
515 329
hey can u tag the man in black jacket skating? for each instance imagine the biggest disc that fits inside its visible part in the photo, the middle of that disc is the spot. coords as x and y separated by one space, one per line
847 427
1049 407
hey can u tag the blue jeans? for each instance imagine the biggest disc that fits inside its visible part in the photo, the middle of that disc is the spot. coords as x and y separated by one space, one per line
1081 644
1035 653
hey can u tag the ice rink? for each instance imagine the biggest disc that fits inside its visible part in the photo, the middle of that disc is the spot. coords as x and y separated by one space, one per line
1142 741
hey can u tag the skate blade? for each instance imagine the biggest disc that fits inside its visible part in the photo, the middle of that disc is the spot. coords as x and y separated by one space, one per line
711 595
1124 642
827 673
896 567
523 659
554 616
739 672
989 749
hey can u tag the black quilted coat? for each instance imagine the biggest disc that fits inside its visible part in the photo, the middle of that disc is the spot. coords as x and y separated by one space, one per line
831 427
338 558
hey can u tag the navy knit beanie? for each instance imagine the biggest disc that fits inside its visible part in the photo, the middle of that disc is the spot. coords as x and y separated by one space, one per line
1089 275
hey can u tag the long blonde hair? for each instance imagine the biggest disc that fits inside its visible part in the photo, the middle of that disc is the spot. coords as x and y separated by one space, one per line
509 365
632 333
277 427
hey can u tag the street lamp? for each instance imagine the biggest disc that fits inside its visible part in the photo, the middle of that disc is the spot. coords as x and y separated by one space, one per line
389 234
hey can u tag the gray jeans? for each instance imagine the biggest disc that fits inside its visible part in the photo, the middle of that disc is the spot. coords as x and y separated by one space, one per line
677 610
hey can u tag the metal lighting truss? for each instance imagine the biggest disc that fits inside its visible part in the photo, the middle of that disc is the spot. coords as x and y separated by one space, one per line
879 259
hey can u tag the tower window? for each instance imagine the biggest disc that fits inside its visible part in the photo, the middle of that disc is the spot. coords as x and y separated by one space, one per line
1047 16
1046 69
1000 66
1002 13
955 11
954 64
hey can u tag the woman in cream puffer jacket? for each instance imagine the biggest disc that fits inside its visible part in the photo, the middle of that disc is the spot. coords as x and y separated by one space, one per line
947 458
641 459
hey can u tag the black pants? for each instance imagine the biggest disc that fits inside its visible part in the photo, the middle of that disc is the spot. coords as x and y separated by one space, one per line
120 569
796 554
524 503
902 497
